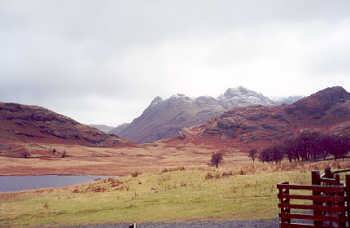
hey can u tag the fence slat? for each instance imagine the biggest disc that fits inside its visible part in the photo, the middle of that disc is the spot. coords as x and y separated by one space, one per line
315 198
320 188
313 207
318 218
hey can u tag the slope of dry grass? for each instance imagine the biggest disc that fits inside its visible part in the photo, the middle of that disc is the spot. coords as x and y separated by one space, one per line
165 196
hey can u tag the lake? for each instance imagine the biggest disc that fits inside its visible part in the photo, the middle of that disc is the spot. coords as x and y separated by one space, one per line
19 183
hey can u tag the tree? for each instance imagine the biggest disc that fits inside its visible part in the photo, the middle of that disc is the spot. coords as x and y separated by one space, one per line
265 155
252 154
272 154
277 153
216 159
307 146
291 150
337 146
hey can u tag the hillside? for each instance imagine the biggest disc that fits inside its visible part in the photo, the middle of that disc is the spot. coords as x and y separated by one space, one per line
165 118
24 123
327 111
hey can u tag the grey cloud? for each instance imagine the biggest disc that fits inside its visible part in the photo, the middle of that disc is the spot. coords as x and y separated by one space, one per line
81 53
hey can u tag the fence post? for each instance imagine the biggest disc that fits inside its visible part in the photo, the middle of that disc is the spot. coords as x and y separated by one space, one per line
316 180
347 190
341 215
284 210
328 173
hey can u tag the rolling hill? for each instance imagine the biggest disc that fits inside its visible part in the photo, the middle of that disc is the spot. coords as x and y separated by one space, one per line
25 123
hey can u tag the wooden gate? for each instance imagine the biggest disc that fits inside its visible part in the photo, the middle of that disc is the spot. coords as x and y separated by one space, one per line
325 203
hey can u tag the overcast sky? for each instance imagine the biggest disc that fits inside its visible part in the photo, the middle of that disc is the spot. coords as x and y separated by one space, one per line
104 61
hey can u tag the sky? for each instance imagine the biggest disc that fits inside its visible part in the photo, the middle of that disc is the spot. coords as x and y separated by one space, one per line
103 61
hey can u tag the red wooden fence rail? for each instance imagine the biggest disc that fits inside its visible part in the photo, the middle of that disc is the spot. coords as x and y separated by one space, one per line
324 203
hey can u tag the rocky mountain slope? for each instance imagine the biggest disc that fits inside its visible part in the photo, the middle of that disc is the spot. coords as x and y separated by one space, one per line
327 111
24 123
165 118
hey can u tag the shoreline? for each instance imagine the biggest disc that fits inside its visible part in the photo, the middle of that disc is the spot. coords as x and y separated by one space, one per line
260 223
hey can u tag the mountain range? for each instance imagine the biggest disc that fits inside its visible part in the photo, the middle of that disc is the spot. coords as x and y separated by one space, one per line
251 121
164 118
327 111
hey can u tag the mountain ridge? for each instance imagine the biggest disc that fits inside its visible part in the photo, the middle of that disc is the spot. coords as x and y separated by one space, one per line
164 118
327 110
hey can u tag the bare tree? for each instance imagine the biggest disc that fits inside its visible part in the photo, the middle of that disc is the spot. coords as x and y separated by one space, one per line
216 159
253 154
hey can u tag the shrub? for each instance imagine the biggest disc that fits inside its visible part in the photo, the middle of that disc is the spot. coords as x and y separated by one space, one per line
24 154
209 176
64 154
165 170
227 173
241 172
135 174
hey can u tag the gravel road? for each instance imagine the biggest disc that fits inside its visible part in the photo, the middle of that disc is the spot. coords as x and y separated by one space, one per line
202 224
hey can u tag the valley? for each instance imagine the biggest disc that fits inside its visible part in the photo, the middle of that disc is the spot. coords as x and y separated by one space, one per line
176 175
82 160
174 114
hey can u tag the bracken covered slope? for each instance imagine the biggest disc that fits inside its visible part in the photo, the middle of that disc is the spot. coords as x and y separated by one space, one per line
327 111
24 123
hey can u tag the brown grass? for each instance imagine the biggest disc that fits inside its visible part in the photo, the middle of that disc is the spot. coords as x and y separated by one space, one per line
148 158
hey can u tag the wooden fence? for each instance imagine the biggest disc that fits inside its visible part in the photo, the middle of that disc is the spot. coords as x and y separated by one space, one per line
324 203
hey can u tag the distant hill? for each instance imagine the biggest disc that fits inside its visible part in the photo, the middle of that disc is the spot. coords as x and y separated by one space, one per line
117 130
165 118
102 127
25 123
327 111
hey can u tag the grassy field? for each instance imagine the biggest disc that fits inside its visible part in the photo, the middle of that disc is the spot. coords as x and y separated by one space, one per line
168 196
238 190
